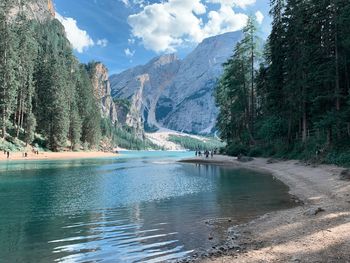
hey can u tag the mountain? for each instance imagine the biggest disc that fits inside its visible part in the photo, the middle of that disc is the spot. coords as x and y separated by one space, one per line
173 93
40 10
143 86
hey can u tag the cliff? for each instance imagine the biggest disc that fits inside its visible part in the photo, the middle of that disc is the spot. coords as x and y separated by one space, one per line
102 90
40 10
177 94
143 86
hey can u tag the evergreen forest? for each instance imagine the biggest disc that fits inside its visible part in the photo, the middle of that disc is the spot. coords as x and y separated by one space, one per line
46 95
290 97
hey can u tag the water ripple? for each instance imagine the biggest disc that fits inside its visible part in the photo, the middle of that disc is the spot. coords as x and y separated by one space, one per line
108 240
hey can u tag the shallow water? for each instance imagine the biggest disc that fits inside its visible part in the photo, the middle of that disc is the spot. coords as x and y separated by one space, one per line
139 207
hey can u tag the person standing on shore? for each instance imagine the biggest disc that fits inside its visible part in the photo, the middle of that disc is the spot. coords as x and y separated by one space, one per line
8 154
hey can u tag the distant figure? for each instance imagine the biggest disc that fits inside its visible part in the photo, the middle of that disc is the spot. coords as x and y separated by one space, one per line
4 151
196 153
199 153
212 153
206 154
8 154
25 155
37 152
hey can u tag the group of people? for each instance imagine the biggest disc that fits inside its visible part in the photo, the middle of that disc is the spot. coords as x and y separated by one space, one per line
25 154
206 153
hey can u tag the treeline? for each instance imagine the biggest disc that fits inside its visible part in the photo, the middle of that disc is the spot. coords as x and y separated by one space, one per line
43 88
194 144
291 99
125 137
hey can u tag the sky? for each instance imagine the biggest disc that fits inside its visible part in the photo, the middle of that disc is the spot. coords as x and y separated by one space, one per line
126 33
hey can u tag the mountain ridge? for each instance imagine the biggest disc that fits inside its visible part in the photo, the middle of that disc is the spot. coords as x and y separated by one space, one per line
178 90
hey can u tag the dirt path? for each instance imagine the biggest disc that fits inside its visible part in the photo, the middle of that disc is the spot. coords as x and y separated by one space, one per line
301 234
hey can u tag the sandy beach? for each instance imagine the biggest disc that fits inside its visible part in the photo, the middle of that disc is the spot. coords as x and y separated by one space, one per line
317 231
56 155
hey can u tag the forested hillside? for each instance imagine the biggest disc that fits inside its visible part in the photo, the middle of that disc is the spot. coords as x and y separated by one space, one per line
47 98
43 88
291 99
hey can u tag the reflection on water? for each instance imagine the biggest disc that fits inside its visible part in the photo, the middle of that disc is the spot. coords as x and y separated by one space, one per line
141 207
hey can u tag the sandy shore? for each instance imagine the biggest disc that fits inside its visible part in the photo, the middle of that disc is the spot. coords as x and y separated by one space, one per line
56 155
301 234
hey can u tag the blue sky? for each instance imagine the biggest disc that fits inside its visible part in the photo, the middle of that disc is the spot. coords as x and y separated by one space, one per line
126 33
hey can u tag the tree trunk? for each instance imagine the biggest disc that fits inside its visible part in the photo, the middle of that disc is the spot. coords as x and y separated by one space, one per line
329 136
337 84
4 108
290 129
19 114
304 129
252 88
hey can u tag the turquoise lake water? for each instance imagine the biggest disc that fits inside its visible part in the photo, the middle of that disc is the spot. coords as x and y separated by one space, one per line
137 207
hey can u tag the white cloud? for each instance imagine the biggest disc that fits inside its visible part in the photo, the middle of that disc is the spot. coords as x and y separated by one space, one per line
232 3
163 27
102 42
224 20
79 38
129 3
259 17
129 53
131 41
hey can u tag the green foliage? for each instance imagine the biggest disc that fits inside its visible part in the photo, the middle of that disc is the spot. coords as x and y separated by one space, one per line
124 137
235 149
235 94
10 145
122 102
298 106
272 127
43 89
8 67
193 144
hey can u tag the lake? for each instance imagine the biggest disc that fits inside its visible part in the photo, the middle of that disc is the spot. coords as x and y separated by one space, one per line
137 207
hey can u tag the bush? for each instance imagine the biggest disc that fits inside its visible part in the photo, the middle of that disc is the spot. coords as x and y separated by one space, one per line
255 152
236 149
11 146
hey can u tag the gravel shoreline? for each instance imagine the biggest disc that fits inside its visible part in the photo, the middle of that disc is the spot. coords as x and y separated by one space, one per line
317 231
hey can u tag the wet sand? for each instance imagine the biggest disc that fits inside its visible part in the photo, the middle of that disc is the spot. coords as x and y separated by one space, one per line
317 231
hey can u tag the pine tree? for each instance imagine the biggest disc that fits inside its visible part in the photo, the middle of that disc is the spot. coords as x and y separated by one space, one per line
27 54
236 92
8 63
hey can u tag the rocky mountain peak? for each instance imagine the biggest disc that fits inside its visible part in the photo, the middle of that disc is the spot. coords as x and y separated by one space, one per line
163 60
177 94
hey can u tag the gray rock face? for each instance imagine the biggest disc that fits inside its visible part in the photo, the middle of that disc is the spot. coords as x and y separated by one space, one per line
40 10
177 94
143 86
102 90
